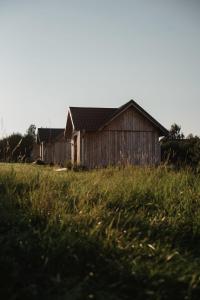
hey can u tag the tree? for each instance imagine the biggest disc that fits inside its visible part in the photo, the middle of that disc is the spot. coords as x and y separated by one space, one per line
175 132
181 152
32 131
28 141
10 147
17 147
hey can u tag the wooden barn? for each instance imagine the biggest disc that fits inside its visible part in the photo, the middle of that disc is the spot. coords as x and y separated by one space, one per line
53 147
111 136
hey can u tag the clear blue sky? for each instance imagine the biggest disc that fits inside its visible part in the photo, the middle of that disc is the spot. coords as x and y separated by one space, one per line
56 53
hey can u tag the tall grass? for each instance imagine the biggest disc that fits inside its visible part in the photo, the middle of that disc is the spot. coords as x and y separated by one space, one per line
109 234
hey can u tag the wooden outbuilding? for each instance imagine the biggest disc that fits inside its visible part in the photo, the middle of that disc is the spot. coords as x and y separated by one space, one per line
53 147
101 137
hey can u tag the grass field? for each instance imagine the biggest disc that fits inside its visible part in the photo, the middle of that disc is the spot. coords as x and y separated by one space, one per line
109 235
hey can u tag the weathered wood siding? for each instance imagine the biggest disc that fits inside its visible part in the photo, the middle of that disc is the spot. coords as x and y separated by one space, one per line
57 153
62 152
128 139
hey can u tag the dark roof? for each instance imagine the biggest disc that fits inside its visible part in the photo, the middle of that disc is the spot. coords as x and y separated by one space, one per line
90 118
49 135
93 119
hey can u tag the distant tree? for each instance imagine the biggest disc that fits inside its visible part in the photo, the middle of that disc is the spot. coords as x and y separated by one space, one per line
192 136
10 147
17 147
3 149
32 131
175 132
29 141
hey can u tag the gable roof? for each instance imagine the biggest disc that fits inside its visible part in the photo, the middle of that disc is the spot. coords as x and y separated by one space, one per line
94 119
90 118
49 135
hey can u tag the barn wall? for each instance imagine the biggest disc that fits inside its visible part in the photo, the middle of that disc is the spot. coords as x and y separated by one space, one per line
57 153
130 120
48 153
129 139
62 152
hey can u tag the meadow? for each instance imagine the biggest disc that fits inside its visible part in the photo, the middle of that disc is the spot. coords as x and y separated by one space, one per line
113 234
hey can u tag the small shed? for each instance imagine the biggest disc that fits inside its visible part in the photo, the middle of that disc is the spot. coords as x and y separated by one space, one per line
53 146
101 137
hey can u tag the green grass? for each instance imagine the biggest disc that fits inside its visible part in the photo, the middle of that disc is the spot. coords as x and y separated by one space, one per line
109 234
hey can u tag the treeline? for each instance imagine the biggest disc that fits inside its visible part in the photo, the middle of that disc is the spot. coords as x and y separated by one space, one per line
180 151
18 147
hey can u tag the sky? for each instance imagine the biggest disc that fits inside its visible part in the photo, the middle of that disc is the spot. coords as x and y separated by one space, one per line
101 53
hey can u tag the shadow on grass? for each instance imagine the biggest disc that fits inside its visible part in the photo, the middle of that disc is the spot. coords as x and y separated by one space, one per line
42 261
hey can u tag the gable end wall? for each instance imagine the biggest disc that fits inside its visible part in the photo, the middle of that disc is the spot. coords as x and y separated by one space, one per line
128 139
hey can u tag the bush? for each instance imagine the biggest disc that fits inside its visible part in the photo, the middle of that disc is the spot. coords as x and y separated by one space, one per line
182 153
